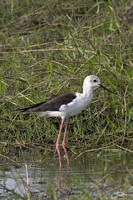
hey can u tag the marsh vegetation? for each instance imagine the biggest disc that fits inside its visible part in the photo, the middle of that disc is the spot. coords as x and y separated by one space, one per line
48 47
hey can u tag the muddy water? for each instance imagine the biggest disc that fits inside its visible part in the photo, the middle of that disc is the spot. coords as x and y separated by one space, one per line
101 175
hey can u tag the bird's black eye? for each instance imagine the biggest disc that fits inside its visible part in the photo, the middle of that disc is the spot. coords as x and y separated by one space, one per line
95 80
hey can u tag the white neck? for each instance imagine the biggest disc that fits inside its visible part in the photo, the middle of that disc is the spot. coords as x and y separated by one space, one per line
87 89
87 92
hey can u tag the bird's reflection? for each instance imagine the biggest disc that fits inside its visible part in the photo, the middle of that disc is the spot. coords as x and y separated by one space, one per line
60 168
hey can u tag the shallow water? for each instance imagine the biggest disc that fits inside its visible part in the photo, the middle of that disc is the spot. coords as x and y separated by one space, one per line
104 175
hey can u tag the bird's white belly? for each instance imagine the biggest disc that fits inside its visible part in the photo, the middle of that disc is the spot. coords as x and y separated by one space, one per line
75 107
66 110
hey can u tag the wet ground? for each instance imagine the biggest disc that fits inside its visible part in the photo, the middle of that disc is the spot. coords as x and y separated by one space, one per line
101 175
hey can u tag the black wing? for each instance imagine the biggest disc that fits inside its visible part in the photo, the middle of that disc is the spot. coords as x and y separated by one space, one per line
53 104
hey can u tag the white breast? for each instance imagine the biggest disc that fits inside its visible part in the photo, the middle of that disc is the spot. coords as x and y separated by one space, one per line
76 106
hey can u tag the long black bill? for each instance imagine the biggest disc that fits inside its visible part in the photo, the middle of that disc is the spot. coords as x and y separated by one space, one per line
106 89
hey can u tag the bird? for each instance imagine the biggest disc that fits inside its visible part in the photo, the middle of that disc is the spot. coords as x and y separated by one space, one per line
65 105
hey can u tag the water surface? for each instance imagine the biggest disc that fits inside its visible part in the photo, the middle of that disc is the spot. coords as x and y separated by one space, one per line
101 175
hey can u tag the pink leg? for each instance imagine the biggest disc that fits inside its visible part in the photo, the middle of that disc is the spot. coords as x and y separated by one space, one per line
64 141
57 142
59 178
65 182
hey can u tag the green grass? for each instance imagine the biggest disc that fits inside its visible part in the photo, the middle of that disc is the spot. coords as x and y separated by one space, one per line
48 47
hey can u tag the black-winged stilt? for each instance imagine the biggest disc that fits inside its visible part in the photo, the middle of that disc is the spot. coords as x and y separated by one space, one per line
66 105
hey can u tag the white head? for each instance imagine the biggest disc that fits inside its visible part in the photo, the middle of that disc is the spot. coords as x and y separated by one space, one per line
91 82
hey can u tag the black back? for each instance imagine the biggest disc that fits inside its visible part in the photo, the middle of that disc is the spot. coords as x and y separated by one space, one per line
53 104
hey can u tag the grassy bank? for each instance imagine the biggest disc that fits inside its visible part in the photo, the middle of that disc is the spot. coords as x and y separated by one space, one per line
48 47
